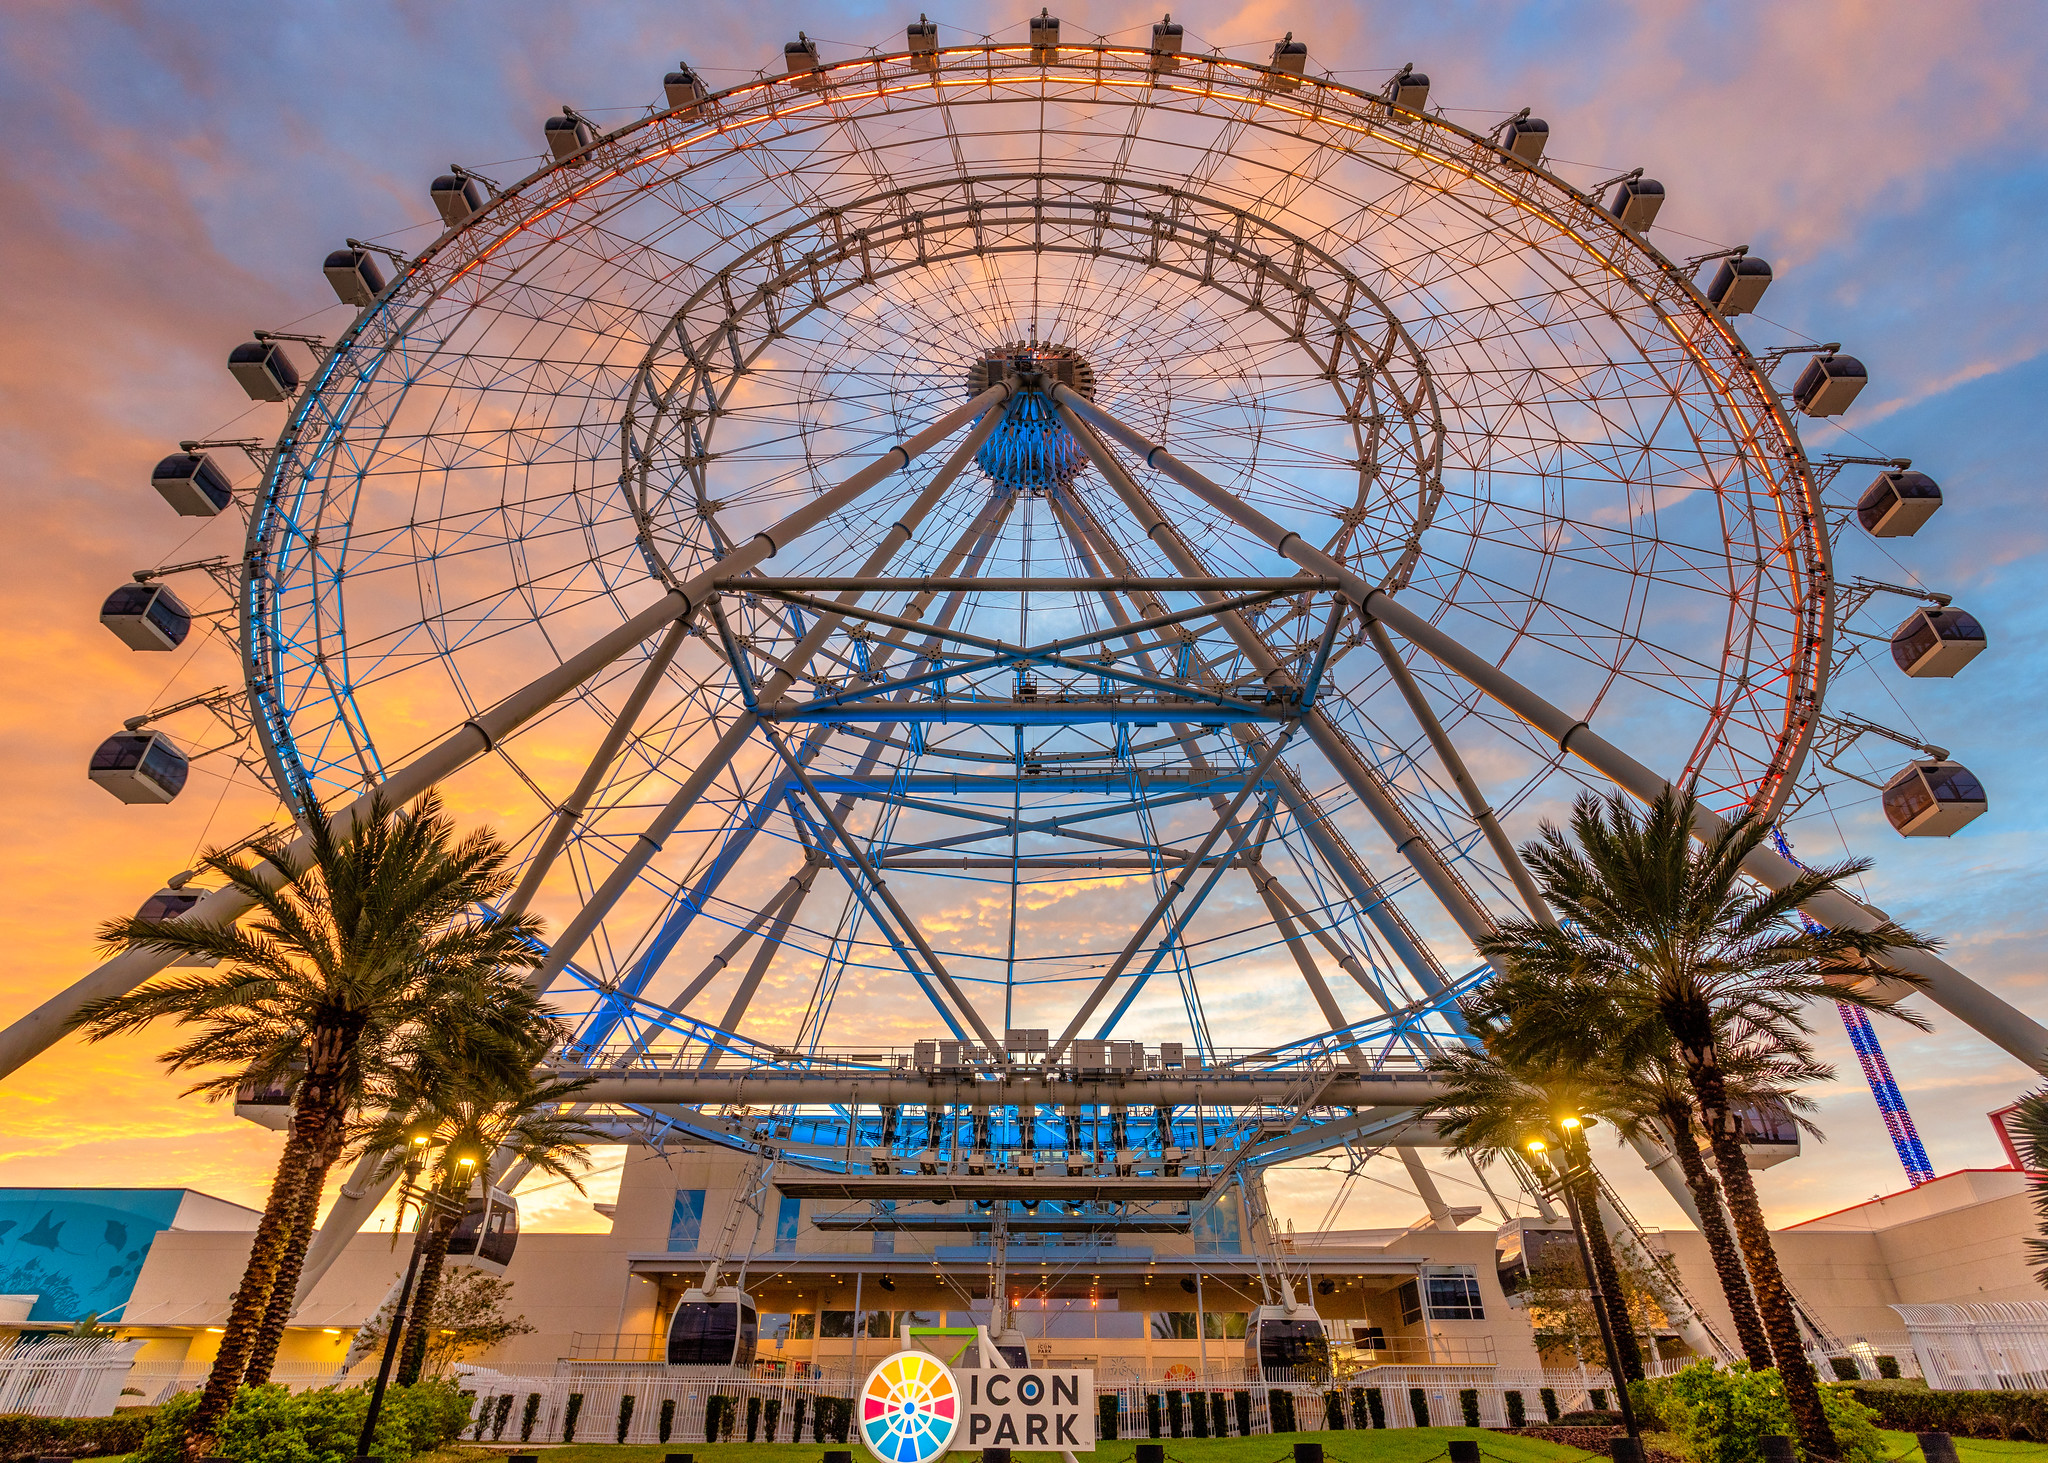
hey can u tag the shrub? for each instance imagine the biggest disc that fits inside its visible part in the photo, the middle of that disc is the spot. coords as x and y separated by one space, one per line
1468 1406
1908 1406
714 1415
666 1424
1333 1411
1198 1414
79 1437
1360 1418
753 1420
1548 1397
1596 1399
269 1424
770 1415
1888 1368
1720 1416
1845 1368
1517 1416
526 1418
1152 1414
1219 1415
1591 1417
796 1421
504 1416
625 1415
1243 1399
1418 1403
1173 1412
1279 1408
1376 1405
569 1417
1105 1416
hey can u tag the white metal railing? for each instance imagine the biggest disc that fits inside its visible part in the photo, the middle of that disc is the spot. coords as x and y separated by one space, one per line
1995 1345
669 1405
63 1377
159 1381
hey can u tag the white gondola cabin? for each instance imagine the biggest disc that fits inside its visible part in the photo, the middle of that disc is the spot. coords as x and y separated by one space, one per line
263 370
1525 1248
192 483
1289 64
1290 1342
147 617
1897 503
1936 643
1526 138
355 276
488 1230
568 136
171 903
684 89
1739 285
1167 36
1933 799
1828 384
1045 38
921 37
1636 202
140 767
720 1329
457 197
1769 1136
800 62
1410 90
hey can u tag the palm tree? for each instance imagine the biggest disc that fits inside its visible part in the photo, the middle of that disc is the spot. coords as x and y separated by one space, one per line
1573 1022
475 1114
1494 1104
1691 957
346 951
2030 1124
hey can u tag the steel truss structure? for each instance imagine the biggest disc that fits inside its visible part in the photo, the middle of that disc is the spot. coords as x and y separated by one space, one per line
1018 605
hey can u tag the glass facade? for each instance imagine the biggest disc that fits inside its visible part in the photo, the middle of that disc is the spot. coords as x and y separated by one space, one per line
686 1222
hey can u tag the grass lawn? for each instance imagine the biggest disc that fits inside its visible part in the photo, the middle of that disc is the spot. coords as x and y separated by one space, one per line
1392 1445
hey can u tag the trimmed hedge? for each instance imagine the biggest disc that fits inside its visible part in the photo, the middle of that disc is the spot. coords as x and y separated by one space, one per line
79 1437
1105 1417
1910 1407
1517 1416
1468 1405
1280 1408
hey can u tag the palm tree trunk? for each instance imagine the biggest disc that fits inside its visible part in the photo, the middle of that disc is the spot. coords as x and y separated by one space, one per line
1706 1197
1773 1301
1587 1190
277 1313
419 1321
259 1276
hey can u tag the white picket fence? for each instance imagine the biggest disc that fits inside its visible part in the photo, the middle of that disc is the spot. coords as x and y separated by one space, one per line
1994 1345
60 1377
669 1407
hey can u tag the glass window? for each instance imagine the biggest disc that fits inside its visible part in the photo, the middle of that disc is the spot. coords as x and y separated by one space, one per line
885 1239
1120 1325
878 1323
1409 1297
1224 1325
775 1326
686 1221
788 1214
1216 1229
835 1325
803 1326
920 1318
1174 1326
1453 1294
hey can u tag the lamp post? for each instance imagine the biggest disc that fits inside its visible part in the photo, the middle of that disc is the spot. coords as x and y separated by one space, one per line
1575 1162
431 1204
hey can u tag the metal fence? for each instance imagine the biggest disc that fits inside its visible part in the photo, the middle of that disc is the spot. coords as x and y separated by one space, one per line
59 1377
1995 1345
537 1405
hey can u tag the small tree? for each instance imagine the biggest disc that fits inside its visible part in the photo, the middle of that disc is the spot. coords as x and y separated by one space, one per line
468 1316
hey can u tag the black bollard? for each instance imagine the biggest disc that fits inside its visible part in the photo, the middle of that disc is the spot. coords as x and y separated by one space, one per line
1627 1450
838 1455
1308 1453
666 1458
1937 1447
995 1455
1777 1449
1464 1450
1151 1453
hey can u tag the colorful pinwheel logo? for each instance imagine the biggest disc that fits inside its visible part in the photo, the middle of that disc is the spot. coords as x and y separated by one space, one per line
909 1408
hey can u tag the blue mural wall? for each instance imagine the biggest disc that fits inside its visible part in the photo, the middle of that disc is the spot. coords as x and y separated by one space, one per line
79 1250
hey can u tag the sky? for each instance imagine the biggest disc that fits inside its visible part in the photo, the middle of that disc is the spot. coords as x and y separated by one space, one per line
175 173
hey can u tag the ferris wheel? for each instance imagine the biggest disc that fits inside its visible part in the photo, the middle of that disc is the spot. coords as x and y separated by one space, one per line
1043 554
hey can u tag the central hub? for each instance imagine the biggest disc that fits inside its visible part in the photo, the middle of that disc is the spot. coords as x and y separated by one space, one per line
1030 449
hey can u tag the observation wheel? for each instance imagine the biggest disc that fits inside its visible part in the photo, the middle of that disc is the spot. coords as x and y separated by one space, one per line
1035 562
